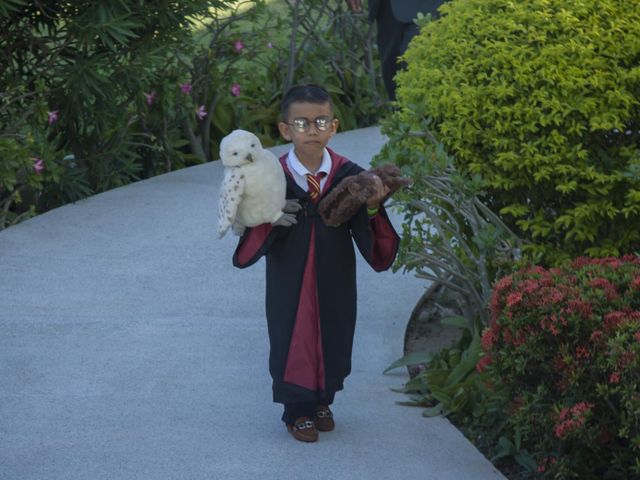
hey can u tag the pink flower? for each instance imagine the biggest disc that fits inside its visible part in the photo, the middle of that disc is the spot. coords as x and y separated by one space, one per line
269 45
528 286
150 97
596 336
608 287
572 419
514 298
581 307
482 363
238 46
546 463
551 296
582 352
201 112
52 116
613 319
38 165
489 337
626 359
186 88
614 377
503 284
235 89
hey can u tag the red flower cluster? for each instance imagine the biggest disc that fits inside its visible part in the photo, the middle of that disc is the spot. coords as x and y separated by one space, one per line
609 288
584 309
482 363
613 320
569 336
514 298
489 337
545 463
582 352
611 262
571 419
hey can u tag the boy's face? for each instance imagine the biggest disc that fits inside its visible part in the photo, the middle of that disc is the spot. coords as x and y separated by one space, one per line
309 143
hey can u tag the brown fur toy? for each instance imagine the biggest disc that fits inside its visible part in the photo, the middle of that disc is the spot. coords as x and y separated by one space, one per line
351 193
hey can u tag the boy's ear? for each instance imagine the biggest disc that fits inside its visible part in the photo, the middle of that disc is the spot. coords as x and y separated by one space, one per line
284 131
334 126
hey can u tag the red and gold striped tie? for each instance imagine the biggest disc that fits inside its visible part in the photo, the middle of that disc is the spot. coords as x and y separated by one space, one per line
313 183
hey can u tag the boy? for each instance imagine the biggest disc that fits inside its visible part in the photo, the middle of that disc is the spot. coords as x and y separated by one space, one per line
311 285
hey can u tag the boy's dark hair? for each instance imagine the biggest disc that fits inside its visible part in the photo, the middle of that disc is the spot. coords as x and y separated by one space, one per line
309 93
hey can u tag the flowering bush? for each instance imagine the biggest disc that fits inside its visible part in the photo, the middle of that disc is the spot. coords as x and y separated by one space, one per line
154 88
565 342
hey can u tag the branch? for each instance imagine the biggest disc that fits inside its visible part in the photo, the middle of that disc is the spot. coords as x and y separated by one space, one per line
196 146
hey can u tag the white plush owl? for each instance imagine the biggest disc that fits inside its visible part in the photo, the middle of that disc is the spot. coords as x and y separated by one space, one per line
254 187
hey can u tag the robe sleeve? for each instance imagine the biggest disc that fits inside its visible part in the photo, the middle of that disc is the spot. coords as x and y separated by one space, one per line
375 237
253 245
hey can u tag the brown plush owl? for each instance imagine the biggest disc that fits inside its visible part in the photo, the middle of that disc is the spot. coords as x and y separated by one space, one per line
352 192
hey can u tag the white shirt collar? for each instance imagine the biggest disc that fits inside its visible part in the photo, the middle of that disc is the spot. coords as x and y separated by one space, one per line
301 170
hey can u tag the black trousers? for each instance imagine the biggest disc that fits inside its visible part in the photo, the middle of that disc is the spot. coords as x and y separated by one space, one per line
293 411
393 40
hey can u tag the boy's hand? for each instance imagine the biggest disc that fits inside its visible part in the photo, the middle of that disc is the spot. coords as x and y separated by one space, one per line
380 194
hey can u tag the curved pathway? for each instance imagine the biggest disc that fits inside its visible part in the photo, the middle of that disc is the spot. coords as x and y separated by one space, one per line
130 348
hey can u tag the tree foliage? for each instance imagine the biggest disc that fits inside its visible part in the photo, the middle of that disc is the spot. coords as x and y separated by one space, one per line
96 94
72 86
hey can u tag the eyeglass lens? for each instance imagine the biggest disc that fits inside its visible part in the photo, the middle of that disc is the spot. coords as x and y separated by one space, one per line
302 124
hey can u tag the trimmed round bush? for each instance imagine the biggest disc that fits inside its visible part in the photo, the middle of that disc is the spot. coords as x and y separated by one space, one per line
542 100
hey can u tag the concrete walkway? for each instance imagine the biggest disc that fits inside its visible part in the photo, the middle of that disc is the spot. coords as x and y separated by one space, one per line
130 348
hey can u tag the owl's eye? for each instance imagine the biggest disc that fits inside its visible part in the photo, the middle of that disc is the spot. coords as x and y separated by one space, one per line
235 154
253 145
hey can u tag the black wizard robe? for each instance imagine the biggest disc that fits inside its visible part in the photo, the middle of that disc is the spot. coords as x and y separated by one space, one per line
311 288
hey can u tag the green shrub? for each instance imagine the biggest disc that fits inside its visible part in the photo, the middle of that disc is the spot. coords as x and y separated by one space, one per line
542 99
566 344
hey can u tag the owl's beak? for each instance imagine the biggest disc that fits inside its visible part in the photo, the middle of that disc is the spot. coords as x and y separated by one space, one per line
249 157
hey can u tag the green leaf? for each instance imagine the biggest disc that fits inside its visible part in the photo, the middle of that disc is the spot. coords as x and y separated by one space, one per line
467 363
8 6
441 394
505 448
455 321
526 460
415 358
433 411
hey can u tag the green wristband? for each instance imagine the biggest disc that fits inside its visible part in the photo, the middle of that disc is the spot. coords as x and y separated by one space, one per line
372 212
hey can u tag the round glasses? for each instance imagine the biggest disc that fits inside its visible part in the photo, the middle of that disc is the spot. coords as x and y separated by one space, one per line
302 125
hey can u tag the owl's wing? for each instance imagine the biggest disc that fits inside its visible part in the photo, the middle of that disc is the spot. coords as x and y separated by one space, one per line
230 197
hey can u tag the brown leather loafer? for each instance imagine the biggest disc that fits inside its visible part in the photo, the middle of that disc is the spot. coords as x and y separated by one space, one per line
324 419
303 429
